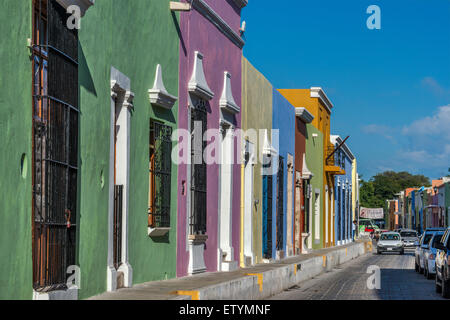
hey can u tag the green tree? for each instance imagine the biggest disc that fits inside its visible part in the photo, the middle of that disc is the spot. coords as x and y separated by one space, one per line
383 186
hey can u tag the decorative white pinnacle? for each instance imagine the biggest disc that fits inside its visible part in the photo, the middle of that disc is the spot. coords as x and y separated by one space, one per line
226 100
158 94
198 85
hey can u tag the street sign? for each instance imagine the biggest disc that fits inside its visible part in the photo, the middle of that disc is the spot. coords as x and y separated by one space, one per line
371 213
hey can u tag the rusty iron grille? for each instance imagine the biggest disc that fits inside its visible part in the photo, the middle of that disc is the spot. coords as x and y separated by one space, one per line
117 226
55 145
197 219
280 199
160 174
333 160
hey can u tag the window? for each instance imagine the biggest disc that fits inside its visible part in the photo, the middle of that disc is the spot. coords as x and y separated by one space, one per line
198 168
160 145
280 197
55 145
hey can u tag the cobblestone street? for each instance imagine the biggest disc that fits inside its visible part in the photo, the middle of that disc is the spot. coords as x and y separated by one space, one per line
399 281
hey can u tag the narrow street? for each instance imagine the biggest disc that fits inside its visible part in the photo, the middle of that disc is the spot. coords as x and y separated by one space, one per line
399 281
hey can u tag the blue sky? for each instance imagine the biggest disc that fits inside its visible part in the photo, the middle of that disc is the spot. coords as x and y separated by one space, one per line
390 87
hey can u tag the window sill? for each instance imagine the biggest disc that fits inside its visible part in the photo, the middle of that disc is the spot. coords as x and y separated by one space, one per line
198 237
157 232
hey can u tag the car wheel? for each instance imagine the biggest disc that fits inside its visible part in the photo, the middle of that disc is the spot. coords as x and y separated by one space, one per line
429 275
402 252
445 288
420 269
438 286
416 267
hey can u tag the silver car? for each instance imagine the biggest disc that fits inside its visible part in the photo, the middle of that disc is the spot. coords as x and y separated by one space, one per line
409 238
422 245
429 255
390 242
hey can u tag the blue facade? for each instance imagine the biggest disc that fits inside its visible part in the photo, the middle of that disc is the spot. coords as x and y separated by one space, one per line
343 196
283 120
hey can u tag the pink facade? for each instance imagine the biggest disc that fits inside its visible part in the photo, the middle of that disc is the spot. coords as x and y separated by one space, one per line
220 54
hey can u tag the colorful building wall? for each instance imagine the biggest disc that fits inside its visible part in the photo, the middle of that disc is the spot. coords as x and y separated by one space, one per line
257 99
113 34
284 122
15 124
220 54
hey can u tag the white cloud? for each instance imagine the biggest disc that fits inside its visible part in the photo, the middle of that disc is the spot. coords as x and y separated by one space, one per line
431 84
437 125
380 130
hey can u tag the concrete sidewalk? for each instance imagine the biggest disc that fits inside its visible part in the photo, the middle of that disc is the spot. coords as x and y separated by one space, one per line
253 283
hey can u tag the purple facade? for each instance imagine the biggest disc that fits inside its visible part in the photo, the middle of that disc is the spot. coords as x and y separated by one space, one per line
220 54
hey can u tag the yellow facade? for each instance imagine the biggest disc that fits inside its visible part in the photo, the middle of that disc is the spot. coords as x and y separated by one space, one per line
318 104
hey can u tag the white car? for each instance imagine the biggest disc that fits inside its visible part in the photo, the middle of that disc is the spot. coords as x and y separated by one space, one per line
429 255
390 242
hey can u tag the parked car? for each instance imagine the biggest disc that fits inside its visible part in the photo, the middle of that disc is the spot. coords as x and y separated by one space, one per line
422 245
390 242
429 255
409 237
443 265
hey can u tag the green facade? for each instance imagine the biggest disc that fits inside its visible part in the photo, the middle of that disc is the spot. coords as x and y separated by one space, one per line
15 128
314 161
133 37
257 96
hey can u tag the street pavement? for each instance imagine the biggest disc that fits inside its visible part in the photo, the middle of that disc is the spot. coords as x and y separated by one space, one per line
399 281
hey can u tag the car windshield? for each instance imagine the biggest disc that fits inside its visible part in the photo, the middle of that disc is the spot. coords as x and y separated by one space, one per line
407 234
427 238
390 236
437 238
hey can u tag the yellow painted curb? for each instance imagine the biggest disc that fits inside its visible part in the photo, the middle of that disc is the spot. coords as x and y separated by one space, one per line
260 279
295 269
346 251
324 261
195 294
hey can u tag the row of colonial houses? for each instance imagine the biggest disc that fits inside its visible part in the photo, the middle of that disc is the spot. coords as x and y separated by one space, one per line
140 145
421 207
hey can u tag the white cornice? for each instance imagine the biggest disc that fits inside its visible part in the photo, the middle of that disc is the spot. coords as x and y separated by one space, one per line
198 85
82 4
226 100
335 139
241 3
205 10
317 92
304 115
268 149
158 94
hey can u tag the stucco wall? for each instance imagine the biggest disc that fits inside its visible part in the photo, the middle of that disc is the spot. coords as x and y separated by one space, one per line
15 128
314 160
257 95
220 54
283 120
133 37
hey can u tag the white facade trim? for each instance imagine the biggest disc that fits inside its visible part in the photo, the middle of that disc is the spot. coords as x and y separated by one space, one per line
123 97
198 85
226 100
304 115
336 139
317 92
306 174
158 95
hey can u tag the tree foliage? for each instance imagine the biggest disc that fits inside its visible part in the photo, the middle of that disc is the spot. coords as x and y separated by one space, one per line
383 186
